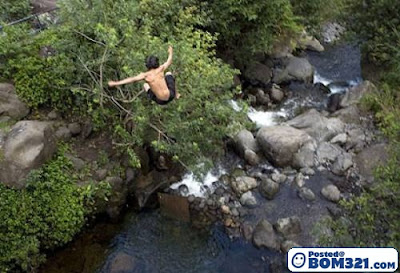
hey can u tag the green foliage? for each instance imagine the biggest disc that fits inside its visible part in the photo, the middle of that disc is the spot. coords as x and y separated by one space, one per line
314 12
250 26
44 215
377 22
13 9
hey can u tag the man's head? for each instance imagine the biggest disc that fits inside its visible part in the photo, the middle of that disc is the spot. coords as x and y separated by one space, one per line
152 62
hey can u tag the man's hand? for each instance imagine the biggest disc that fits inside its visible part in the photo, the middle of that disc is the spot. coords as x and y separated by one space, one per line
170 50
112 83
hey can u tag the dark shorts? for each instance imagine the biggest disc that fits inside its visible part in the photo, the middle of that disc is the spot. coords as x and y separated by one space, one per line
169 79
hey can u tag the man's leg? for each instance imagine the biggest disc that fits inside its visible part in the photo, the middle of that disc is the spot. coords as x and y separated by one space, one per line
171 83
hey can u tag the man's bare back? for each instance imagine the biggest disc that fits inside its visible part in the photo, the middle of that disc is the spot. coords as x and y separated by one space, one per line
161 87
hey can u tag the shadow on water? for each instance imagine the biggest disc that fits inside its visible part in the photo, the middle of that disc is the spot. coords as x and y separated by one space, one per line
152 243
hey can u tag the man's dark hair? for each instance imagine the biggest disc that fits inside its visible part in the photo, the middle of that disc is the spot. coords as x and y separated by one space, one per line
152 62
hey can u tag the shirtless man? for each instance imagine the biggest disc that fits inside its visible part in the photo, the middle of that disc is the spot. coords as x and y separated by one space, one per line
159 88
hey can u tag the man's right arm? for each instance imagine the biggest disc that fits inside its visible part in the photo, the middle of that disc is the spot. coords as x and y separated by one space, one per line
139 77
169 60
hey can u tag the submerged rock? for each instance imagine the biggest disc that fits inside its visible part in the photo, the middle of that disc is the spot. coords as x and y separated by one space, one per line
307 194
265 236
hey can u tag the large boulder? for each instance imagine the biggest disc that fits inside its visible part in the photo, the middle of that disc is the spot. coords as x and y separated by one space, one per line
370 158
245 140
305 157
265 236
354 95
281 143
295 68
317 126
306 41
258 73
10 104
28 145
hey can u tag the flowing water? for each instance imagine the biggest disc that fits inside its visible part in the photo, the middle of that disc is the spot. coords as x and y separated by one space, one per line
148 242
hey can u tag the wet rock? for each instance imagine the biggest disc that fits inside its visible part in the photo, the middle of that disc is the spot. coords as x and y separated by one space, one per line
122 263
327 152
307 171
333 103
307 194
75 128
331 193
305 41
370 158
295 68
27 146
248 199
288 227
258 74
183 190
10 104
101 174
63 134
247 231
340 139
235 212
276 93
287 245
317 126
299 180
342 164
245 140
251 157
280 143
279 178
262 97
243 184
265 236
269 188
354 94
225 209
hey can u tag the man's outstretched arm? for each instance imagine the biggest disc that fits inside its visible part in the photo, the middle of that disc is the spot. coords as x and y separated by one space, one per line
139 77
169 60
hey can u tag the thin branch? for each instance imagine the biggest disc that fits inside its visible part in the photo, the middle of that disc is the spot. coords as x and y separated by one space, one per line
90 39
101 77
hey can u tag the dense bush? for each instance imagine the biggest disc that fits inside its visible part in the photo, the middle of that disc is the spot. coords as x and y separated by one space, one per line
47 214
13 9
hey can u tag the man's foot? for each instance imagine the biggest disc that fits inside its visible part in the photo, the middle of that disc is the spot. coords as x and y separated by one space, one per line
146 87
177 96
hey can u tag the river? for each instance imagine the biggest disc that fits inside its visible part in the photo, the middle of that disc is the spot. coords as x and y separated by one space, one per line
148 242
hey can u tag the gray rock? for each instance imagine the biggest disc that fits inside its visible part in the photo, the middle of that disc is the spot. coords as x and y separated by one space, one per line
247 231
269 188
350 114
63 133
258 73
287 245
277 94
10 104
342 164
354 94
334 102
317 126
101 174
327 152
251 157
369 159
306 41
262 98
356 139
75 128
307 171
331 193
245 140
243 184
306 194
332 32
279 178
78 163
288 227
299 180
122 263
87 129
53 115
265 236
340 139
248 199
304 158
119 194
296 68
280 143
27 146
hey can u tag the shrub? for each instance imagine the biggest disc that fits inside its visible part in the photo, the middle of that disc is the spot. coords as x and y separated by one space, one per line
13 9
